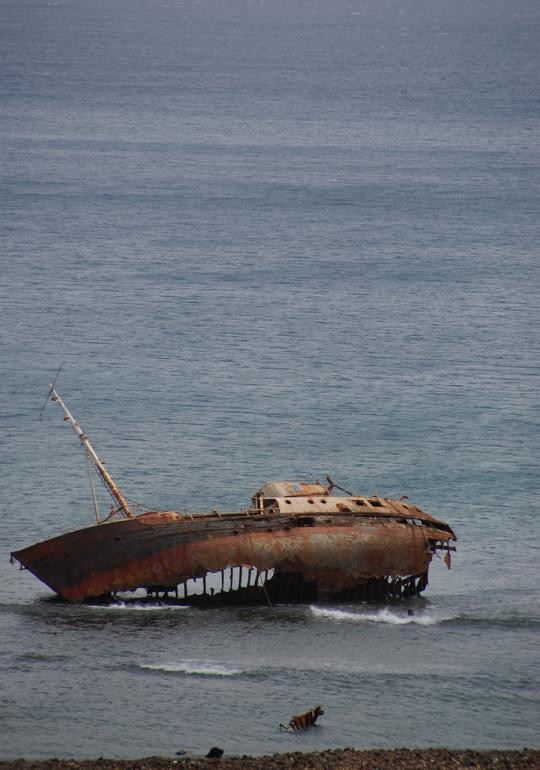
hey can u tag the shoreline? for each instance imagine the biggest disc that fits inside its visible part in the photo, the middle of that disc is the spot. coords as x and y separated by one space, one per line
330 759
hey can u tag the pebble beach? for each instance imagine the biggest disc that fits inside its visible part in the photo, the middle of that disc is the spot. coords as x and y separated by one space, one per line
337 759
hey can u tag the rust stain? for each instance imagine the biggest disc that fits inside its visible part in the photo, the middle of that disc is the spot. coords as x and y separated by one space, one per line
332 550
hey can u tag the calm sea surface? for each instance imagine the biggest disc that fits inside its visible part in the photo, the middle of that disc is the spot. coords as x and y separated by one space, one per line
272 239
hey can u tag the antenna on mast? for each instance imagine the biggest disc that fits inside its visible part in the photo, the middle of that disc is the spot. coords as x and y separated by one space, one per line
50 391
91 454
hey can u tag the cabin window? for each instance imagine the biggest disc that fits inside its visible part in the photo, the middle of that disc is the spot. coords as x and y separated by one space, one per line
323 501
310 502
376 503
288 502
359 502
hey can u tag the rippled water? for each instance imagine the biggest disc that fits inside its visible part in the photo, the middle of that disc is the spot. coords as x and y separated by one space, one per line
272 239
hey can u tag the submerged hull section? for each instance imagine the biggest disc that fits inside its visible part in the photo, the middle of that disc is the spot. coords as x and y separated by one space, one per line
365 555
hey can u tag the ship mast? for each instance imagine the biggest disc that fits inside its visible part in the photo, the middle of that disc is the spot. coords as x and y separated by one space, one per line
91 454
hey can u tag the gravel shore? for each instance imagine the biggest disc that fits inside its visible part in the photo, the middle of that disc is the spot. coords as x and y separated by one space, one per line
336 759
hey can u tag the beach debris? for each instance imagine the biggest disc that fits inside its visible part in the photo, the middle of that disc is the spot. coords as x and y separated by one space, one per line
303 721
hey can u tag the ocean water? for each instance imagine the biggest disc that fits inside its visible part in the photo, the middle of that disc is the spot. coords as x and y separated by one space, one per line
272 239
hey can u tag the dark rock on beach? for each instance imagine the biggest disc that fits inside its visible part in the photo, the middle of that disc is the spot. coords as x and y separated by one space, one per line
336 759
215 753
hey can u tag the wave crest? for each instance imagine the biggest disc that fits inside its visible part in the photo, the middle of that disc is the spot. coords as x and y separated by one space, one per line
384 615
193 668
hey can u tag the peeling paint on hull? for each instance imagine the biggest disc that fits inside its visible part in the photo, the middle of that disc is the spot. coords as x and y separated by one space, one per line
319 556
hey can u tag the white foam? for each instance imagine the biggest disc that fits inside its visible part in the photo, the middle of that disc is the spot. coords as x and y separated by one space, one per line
137 606
193 668
384 615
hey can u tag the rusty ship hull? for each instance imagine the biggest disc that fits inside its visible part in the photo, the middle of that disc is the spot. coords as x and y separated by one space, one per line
297 540
370 554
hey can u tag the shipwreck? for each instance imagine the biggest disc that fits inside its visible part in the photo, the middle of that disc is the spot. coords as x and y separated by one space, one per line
296 541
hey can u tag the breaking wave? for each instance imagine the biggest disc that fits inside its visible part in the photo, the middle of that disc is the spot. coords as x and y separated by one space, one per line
193 668
384 615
